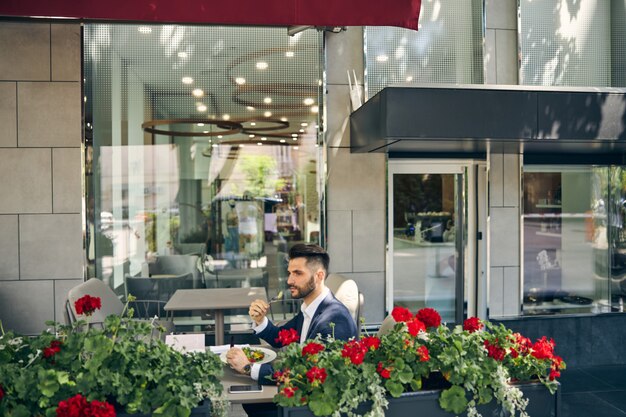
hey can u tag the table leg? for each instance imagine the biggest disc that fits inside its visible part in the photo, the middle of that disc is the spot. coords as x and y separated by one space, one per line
219 327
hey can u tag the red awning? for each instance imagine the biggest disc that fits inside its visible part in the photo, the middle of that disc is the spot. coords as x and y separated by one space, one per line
402 13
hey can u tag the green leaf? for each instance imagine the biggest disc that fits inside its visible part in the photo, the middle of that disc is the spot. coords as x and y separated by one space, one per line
394 388
406 375
48 382
453 400
416 384
320 407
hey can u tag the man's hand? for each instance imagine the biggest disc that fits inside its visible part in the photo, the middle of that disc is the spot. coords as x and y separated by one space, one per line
237 359
258 311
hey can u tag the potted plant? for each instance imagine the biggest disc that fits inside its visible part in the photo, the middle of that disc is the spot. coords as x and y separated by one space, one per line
470 369
116 369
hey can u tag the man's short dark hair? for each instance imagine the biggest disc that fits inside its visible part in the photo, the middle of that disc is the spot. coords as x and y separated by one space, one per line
313 254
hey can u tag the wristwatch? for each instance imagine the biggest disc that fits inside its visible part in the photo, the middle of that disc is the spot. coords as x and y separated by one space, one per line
246 369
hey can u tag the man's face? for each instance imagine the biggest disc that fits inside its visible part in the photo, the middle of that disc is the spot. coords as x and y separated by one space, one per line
301 279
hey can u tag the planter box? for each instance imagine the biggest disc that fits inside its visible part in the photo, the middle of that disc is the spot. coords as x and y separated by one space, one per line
541 404
203 410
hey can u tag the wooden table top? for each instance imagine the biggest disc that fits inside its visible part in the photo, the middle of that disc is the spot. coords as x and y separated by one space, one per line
214 298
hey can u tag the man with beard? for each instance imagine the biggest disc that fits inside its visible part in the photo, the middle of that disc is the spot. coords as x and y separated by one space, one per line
308 268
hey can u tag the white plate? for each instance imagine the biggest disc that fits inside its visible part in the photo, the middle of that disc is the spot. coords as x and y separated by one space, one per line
270 355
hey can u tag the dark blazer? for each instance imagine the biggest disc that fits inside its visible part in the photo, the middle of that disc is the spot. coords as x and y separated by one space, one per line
329 311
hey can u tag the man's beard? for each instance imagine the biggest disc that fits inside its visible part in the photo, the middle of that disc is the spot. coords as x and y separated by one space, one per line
305 290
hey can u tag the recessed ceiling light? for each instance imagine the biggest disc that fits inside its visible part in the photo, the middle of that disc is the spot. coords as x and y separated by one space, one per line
182 54
201 108
205 131
308 101
262 65
267 100
283 119
252 123
304 124
315 109
200 124
301 131
382 58
259 143
250 108
187 80
267 114
263 138
197 92
289 54
240 80
144 29
282 141
219 136
294 135
250 136
226 116
294 138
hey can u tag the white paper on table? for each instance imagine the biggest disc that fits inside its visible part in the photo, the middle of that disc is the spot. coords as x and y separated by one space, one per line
224 348
193 342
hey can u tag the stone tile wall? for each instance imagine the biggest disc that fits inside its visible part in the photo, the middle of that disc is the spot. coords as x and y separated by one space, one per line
41 241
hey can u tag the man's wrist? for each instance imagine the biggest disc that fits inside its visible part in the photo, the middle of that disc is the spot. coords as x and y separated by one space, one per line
247 368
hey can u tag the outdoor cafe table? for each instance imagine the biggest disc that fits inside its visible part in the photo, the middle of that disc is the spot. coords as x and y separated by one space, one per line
215 300
231 377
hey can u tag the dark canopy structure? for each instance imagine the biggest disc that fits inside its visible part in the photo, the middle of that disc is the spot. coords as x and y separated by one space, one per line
471 120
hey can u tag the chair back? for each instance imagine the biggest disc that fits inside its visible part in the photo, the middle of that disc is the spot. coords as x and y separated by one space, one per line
347 291
94 287
386 326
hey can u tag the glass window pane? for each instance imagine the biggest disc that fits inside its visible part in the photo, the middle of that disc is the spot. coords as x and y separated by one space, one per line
203 155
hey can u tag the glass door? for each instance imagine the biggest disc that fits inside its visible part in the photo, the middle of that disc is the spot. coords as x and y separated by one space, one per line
427 234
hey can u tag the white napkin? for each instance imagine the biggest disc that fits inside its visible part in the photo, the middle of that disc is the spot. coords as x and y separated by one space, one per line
186 342
224 348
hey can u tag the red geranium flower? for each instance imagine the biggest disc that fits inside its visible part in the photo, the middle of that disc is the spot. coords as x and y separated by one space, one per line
543 348
384 372
78 406
355 351
415 326
316 374
429 317
495 351
53 349
312 349
472 324
371 342
289 391
423 353
401 314
87 305
287 337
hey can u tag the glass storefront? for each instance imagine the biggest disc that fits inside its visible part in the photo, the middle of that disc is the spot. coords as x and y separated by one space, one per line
203 155
574 248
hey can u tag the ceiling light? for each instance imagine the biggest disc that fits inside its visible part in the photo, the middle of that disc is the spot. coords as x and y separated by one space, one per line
409 78
205 131
214 145
283 119
201 108
289 54
304 124
262 65
263 138
315 109
282 141
267 114
240 80
296 138
252 123
187 80
267 100
242 145
308 101
294 135
200 124
219 136
301 131
259 143
197 92
182 54
382 58
226 116
250 108
250 136
144 29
